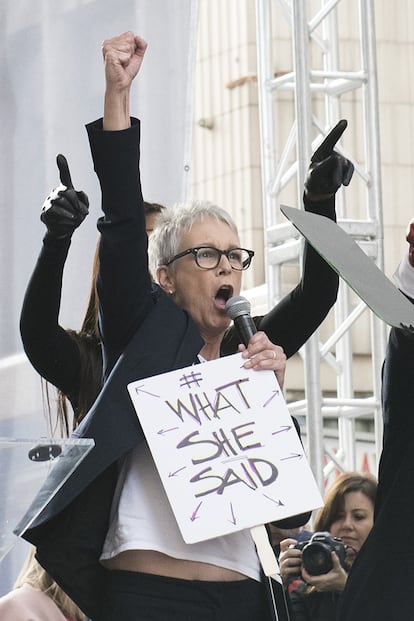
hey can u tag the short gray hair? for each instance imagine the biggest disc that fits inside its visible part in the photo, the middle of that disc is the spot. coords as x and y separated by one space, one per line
173 221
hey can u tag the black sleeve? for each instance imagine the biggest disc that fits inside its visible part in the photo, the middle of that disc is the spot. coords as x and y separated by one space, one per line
397 409
397 384
51 351
124 284
296 317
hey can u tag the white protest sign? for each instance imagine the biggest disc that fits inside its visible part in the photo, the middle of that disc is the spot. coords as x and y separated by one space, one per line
225 447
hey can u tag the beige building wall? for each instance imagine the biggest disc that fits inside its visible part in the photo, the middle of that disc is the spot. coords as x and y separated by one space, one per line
226 153
226 156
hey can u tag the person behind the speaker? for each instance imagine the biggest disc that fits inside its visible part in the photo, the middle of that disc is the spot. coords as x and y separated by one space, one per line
68 360
315 582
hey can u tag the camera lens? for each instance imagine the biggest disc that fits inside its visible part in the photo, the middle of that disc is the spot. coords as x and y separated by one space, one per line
316 559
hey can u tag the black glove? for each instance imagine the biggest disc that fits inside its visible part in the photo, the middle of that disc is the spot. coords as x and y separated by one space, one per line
65 208
328 170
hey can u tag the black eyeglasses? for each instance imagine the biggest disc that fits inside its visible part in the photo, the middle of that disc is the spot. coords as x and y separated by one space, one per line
208 257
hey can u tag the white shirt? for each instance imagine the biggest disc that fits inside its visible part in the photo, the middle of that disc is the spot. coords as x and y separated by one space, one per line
142 519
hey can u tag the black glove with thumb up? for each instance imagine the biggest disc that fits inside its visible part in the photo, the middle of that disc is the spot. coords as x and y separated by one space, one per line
329 169
65 208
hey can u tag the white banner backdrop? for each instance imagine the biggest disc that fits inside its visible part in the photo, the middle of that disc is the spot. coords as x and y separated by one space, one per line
52 83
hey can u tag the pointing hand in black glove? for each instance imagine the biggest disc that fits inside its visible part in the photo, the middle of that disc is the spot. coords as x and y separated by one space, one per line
65 208
329 169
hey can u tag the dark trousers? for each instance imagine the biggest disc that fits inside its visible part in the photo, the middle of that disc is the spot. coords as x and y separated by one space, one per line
133 596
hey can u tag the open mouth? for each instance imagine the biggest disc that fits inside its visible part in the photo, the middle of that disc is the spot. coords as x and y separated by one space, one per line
223 294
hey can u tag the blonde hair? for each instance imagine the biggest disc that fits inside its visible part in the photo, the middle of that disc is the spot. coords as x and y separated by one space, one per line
33 573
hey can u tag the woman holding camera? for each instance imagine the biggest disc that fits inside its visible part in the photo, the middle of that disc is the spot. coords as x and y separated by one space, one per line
315 576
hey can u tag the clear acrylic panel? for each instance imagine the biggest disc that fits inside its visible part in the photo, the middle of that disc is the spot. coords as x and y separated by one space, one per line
27 465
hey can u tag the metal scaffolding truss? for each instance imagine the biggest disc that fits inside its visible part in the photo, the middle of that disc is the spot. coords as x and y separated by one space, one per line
318 97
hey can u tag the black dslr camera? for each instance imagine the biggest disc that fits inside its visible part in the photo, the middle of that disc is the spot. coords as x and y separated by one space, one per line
316 553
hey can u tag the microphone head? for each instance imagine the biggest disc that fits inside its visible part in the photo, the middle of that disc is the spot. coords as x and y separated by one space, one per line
237 306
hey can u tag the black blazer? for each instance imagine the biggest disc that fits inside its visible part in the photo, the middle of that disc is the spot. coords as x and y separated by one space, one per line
70 531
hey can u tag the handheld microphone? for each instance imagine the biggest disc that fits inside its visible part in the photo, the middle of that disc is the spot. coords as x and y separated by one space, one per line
238 309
